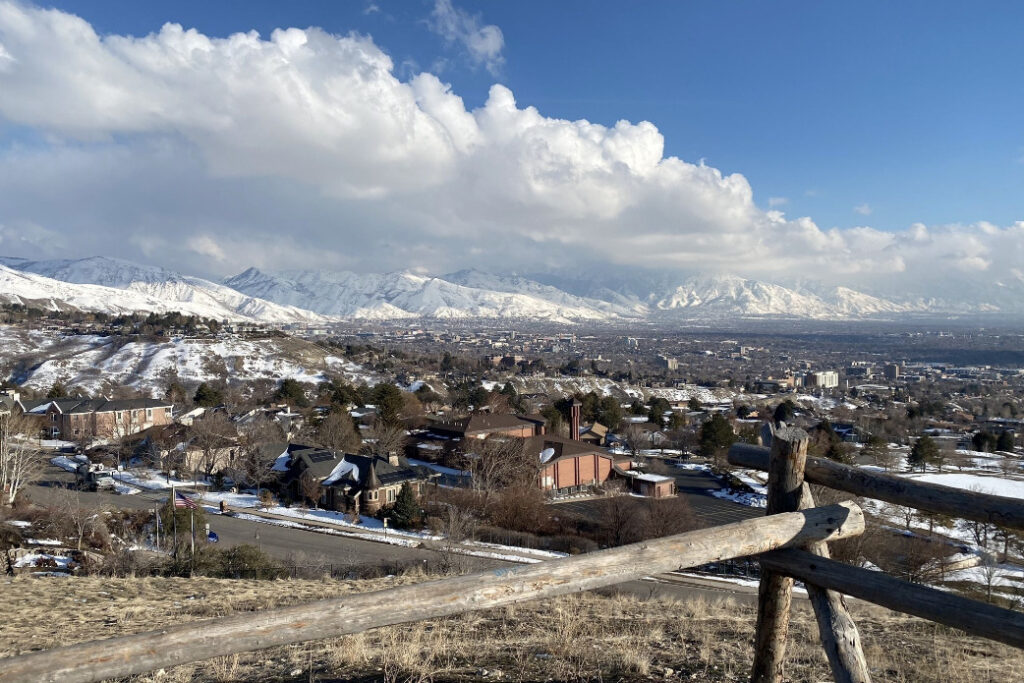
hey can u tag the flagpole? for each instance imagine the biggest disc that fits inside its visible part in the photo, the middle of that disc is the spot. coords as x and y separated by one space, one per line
174 521
192 522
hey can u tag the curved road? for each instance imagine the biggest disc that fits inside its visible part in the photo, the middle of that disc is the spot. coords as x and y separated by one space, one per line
289 544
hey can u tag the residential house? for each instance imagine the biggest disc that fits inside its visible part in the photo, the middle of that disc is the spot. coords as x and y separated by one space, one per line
99 418
349 483
595 434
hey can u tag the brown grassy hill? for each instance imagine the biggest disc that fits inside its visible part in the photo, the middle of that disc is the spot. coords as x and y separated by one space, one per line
586 637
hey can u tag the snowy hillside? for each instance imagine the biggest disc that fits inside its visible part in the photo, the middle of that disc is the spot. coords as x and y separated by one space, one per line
37 359
171 291
520 285
323 296
18 287
404 294
713 296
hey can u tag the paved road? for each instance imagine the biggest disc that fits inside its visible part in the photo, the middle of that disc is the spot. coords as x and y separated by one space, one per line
285 543
282 542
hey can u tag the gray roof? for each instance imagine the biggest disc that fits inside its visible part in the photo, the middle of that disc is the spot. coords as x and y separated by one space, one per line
102 405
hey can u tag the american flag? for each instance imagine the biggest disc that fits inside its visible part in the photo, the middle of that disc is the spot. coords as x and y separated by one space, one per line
181 501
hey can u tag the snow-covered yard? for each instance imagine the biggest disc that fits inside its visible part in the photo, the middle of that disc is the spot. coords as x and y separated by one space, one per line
995 485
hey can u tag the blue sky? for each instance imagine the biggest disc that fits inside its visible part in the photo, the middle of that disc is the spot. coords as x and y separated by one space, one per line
877 145
912 108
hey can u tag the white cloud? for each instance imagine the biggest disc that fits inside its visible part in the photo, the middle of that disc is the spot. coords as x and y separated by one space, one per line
305 149
774 202
204 245
862 209
483 43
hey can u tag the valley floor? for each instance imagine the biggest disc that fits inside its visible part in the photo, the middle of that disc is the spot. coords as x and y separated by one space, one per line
585 637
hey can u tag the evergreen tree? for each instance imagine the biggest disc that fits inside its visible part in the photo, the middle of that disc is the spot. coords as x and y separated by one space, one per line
1005 441
610 412
389 402
784 412
659 407
405 513
58 390
716 435
292 392
208 396
924 452
984 441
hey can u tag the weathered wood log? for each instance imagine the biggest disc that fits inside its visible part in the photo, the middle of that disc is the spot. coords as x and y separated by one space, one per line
945 500
129 655
836 628
970 616
775 592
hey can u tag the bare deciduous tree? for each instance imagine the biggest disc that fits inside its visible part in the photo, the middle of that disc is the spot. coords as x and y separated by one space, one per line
212 434
20 461
636 439
310 488
337 433
250 466
500 462
385 439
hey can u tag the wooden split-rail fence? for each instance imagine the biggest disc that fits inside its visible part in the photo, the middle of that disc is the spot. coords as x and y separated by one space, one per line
790 542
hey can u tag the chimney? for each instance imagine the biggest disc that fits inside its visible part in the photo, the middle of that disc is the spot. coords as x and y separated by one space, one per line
574 420
393 459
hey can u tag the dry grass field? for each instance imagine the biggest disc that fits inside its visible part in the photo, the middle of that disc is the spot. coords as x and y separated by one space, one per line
586 637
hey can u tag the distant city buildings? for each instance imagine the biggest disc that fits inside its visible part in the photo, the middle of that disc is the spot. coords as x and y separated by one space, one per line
824 379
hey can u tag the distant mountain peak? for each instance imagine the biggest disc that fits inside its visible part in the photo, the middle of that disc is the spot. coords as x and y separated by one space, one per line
592 297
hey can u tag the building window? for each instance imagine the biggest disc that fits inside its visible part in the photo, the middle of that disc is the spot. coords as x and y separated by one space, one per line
391 495
149 413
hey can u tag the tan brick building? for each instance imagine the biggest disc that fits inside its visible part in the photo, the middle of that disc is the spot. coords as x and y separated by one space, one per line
73 419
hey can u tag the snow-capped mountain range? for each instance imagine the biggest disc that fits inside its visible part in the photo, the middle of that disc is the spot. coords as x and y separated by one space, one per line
116 286
317 296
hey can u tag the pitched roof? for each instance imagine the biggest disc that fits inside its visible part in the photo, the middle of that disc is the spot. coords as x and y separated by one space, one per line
80 406
485 422
343 469
561 447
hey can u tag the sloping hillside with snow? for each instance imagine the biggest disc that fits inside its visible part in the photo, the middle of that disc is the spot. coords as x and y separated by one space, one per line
720 296
172 291
403 294
92 363
298 296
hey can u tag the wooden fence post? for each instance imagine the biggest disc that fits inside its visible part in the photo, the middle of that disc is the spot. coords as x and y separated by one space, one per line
838 632
775 593
787 492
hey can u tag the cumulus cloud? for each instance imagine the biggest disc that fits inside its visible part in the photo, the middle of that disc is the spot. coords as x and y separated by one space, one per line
483 43
862 209
305 149
774 202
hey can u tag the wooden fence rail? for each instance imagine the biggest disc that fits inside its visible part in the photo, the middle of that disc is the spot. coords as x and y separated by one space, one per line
943 607
789 470
943 500
196 641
